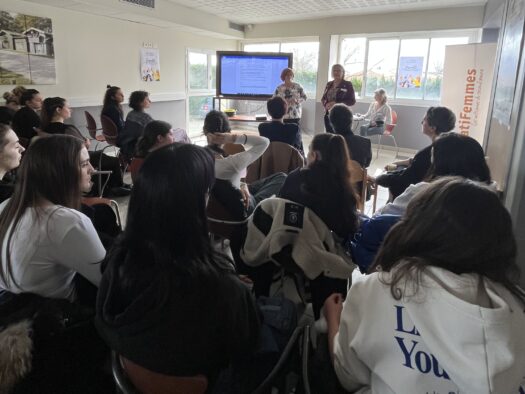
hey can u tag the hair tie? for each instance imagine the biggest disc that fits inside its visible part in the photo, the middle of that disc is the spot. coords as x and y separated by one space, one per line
108 86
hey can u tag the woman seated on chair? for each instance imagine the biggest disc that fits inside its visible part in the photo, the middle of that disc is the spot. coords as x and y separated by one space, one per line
229 167
441 310
157 134
54 112
136 120
10 156
437 120
379 113
453 154
112 107
168 301
45 240
360 148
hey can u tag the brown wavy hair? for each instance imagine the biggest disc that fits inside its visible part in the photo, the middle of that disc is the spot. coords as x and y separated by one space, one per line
455 224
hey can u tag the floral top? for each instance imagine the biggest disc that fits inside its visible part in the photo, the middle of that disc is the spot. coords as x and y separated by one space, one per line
294 96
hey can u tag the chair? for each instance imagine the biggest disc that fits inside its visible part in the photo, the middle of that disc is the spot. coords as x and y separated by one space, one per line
134 167
131 378
110 133
279 157
299 342
359 179
389 128
90 201
92 129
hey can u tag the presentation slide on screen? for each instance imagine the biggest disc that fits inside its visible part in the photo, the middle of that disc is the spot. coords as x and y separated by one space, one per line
253 75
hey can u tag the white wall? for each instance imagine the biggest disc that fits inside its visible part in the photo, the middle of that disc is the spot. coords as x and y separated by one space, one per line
92 51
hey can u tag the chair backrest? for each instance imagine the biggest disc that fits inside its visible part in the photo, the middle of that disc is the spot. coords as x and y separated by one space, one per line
134 167
91 125
90 201
279 157
132 379
390 127
358 178
109 130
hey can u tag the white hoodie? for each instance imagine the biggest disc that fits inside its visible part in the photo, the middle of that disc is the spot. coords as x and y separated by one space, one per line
458 334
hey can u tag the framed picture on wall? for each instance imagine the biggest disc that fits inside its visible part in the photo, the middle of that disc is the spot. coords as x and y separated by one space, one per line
27 54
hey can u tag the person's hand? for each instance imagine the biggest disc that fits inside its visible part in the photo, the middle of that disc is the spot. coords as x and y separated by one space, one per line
391 167
87 143
221 138
245 195
329 105
373 124
371 179
333 306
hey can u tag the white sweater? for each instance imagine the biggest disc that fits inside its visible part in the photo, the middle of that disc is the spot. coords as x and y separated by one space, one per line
230 168
383 113
48 250
459 334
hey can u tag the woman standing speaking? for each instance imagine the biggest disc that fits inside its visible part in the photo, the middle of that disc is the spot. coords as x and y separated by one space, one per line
337 91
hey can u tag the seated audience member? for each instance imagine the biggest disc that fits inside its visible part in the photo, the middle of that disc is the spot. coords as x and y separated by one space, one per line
436 121
277 130
17 93
360 148
136 120
229 167
6 115
324 185
54 112
156 135
451 258
379 113
112 107
26 118
165 287
44 211
10 156
11 101
453 154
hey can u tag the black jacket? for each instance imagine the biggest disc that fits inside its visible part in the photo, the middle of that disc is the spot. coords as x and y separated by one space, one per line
172 321
24 121
288 133
360 148
397 181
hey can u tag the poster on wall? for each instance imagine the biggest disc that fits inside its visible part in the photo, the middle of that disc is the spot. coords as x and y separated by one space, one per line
410 72
149 64
27 55
467 83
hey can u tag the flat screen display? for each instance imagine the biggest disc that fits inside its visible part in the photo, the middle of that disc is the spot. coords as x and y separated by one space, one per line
250 74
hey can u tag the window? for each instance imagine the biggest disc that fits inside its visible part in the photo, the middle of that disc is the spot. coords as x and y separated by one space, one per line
408 68
305 60
201 87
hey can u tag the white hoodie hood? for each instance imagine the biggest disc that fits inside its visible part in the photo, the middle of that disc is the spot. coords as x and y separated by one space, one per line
459 334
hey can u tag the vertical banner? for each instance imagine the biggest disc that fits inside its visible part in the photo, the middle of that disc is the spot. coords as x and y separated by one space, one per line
410 72
149 64
467 84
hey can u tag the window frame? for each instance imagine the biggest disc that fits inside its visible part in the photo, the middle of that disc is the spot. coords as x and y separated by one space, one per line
472 34
210 91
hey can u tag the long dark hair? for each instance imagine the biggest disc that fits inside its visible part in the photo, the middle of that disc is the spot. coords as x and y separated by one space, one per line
454 154
149 136
328 179
216 122
49 108
27 95
50 171
109 99
455 224
167 215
